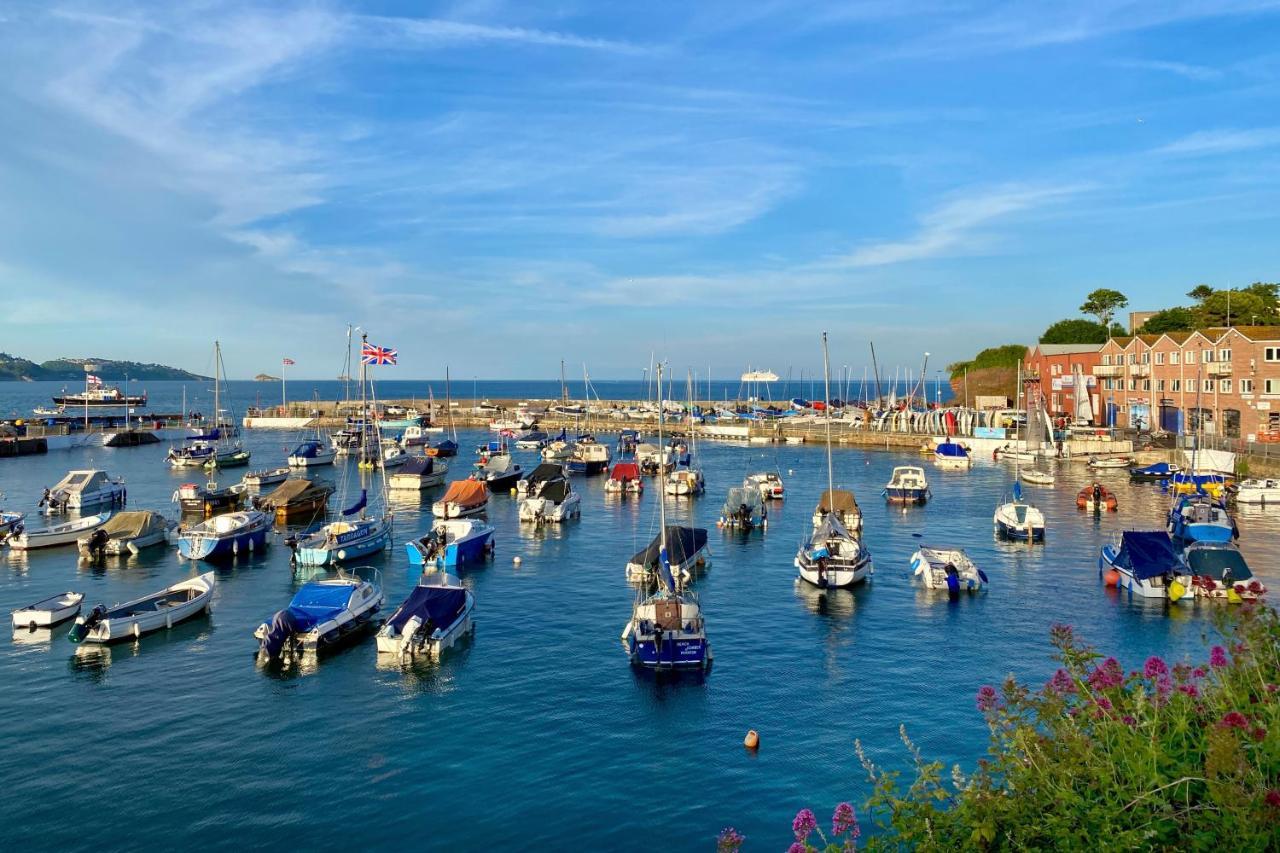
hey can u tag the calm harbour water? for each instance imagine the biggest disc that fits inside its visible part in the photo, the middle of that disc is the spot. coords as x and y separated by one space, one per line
537 733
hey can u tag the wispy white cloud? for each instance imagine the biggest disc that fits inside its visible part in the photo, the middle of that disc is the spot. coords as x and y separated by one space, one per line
955 225
1224 141
1199 73
442 33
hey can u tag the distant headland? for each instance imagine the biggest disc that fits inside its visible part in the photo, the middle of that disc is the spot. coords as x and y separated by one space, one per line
15 369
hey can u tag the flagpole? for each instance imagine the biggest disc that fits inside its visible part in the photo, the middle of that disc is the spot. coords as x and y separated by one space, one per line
284 365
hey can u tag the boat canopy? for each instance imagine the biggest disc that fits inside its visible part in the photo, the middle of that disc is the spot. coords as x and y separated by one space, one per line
544 472
682 544
318 602
555 491
284 493
497 465
1217 561
79 481
466 492
1147 554
418 465
446 444
831 528
436 606
308 449
740 497
128 525
625 471
951 448
838 500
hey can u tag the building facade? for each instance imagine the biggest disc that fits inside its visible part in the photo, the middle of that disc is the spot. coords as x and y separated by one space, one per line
1055 366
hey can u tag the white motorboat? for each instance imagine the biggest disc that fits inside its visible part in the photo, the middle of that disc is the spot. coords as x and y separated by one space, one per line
947 568
1258 491
769 484
434 616
907 485
1108 463
546 472
126 533
685 482
67 533
419 473
462 498
1036 477
1145 564
744 509
832 557
322 614
1018 520
267 477
10 524
311 453
84 489
559 449
952 455
48 612
132 619
555 501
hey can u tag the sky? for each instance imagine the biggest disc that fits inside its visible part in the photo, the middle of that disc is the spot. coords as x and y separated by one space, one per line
499 185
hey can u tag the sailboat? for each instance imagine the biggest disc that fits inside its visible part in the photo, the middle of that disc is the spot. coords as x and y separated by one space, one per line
313 450
448 446
1016 519
667 630
212 449
357 534
832 556
687 479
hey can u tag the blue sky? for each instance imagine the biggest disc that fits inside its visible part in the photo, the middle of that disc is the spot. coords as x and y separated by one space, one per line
501 185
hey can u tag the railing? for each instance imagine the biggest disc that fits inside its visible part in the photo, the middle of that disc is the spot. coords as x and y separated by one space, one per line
1218 368
1109 370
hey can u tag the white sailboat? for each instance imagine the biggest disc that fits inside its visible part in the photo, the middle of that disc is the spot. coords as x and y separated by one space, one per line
213 449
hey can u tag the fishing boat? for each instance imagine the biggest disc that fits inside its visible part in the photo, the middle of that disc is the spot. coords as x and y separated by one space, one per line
84 489
743 509
1258 491
1110 463
531 439
214 448
49 612
951 455
225 536
419 473
589 457
556 501
67 533
322 615
624 478
10 524
452 542
431 619
1036 477
1018 520
207 500
1145 564
463 498
684 482
769 485
845 506
1218 570
907 485
296 498
499 473
1097 498
163 609
265 477
1200 518
546 472
126 533
1154 472
947 568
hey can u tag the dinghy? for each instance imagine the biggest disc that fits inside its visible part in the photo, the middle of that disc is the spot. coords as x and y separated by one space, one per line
743 509
322 614
419 473
556 501
67 533
947 568
48 612
768 483
952 456
265 477
907 485
1035 477
1155 472
126 533
464 497
1110 463
1145 564
452 542
81 490
296 498
434 616
132 619
1097 498
832 557
225 536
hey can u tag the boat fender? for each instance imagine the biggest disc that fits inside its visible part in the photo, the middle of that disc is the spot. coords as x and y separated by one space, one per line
1112 578
137 630
235 547
342 555
516 560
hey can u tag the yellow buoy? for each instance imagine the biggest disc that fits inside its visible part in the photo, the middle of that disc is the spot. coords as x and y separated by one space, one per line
1176 591
513 491
752 740
1233 597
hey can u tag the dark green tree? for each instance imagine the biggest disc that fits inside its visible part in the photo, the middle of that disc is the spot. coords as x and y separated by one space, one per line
1200 292
1103 303
1075 331
1176 319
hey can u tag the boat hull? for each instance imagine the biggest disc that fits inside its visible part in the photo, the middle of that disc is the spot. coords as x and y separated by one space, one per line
670 652
473 549
161 617
899 495
1018 533
588 468
1148 588
251 539
375 538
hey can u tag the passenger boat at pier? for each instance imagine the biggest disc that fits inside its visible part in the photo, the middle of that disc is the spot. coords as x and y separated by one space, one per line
99 396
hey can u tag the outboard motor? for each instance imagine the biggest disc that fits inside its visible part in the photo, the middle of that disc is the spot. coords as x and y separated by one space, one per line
98 544
283 627
953 580
85 624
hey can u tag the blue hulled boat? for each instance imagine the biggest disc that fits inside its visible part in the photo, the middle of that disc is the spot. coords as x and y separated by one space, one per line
452 542
1200 518
1154 472
225 536
346 539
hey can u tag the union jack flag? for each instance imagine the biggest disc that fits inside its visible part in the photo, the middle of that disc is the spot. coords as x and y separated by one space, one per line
288 362
370 354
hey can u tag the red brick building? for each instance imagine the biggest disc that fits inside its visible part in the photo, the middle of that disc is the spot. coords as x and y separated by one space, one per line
1055 365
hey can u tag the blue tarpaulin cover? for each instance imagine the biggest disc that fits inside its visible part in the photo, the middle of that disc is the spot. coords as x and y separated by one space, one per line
317 602
1159 469
418 465
950 448
1148 554
439 604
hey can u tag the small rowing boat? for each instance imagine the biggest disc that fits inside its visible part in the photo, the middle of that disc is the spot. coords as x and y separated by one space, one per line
162 609
48 612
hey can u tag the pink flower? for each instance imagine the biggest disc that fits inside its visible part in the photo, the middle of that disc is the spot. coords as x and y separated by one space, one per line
987 698
1273 798
1155 666
1061 683
1234 720
1190 690
1129 720
796 847
1218 657
1199 672
1259 733
844 819
1108 674
729 840
804 824
1104 703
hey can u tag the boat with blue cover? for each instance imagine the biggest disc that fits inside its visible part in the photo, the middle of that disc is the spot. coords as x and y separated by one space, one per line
452 542
322 615
1154 472
225 536
431 619
1017 520
1145 564
310 453
1200 518
951 454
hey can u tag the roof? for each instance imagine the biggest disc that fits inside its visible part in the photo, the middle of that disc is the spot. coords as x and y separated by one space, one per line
1064 349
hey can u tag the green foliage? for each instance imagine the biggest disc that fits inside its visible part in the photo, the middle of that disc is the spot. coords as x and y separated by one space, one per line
1008 355
1171 757
1175 319
1103 303
1255 305
1200 292
72 370
1075 332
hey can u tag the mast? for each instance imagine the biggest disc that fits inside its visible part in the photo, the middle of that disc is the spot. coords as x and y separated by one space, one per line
826 385
217 383
346 370
662 503
875 369
448 404
364 408
564 391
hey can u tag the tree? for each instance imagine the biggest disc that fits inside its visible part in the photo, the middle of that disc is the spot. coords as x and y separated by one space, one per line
1103 304
1075 331
1240 307
1176 319
1200 292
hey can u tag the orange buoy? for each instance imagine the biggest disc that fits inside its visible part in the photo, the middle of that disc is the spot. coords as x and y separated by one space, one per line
1112 578
752 740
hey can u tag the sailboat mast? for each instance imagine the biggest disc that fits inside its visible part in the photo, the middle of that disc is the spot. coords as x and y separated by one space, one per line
875 369
217 384
662 504
448 403
564 390
826 384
